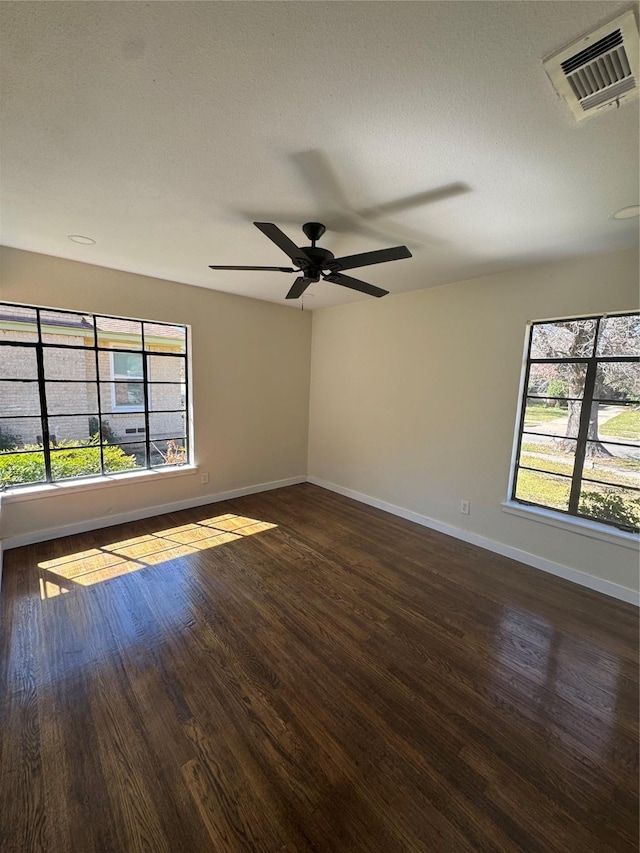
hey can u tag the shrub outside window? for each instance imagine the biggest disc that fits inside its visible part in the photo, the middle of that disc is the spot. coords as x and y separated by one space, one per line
578 442
88 395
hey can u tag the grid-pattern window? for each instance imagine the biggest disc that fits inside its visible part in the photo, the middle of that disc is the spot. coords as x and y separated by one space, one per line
578 443
86 395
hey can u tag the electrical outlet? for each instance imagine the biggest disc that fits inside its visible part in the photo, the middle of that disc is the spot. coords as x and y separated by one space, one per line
204 478
464 507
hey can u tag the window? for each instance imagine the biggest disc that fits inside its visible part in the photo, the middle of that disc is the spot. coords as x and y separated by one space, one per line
87 395
127 388
578 442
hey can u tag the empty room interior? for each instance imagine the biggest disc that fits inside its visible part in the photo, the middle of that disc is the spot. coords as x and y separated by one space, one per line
319 427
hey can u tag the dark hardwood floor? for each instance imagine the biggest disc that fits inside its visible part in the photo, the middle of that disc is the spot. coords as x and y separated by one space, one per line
341 681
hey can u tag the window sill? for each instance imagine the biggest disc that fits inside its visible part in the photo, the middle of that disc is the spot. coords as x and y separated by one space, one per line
575 525
48 490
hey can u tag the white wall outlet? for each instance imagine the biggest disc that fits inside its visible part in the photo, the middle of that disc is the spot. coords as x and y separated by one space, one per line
204 478
464 507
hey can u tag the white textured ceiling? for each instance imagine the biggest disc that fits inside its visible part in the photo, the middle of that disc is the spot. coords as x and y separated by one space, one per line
161 129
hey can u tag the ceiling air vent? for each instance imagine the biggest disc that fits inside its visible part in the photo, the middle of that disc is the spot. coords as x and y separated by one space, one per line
600 69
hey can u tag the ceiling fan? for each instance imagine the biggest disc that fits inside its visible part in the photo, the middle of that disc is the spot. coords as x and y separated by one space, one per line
315 263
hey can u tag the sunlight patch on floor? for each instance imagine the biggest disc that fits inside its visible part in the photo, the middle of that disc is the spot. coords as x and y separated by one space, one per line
95 565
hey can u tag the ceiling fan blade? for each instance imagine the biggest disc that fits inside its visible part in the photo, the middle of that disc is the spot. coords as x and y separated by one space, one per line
299 287
416 200
273 269
318 173
355 284
364 259
315 169
352 223
281 240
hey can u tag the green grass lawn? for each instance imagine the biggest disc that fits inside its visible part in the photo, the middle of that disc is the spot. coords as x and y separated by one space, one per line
553 465
552 492
528 447
545 489
542 489
621 472
539 414
624 425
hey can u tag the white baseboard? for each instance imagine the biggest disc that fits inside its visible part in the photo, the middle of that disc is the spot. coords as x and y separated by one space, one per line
623 593
146 512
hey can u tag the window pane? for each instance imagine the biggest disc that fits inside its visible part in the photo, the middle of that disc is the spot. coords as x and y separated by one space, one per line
18 433
18 363
64 328
557 380
123 428
115 333
557 456
543 489
619 335
69 364
560 418
607 503
612 463
171 451
19 398
616 423
164 396
166 368
18 469
166 424
159 337
564 338
18 323
71 398
125 457
121 396
70 429
75 462
127 395
617 380
127 364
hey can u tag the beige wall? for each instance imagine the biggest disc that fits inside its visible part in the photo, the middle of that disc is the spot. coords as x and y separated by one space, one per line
251 362
413 398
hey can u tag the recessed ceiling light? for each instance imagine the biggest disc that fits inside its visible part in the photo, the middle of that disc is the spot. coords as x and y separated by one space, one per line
627 212
78 238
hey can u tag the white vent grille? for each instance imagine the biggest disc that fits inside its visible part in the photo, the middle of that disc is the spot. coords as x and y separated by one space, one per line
600 69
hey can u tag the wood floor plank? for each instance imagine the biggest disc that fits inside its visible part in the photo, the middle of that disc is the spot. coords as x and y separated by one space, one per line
23 820
295 671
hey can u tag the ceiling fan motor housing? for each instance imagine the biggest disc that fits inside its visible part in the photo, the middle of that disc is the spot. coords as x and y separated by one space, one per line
320 260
